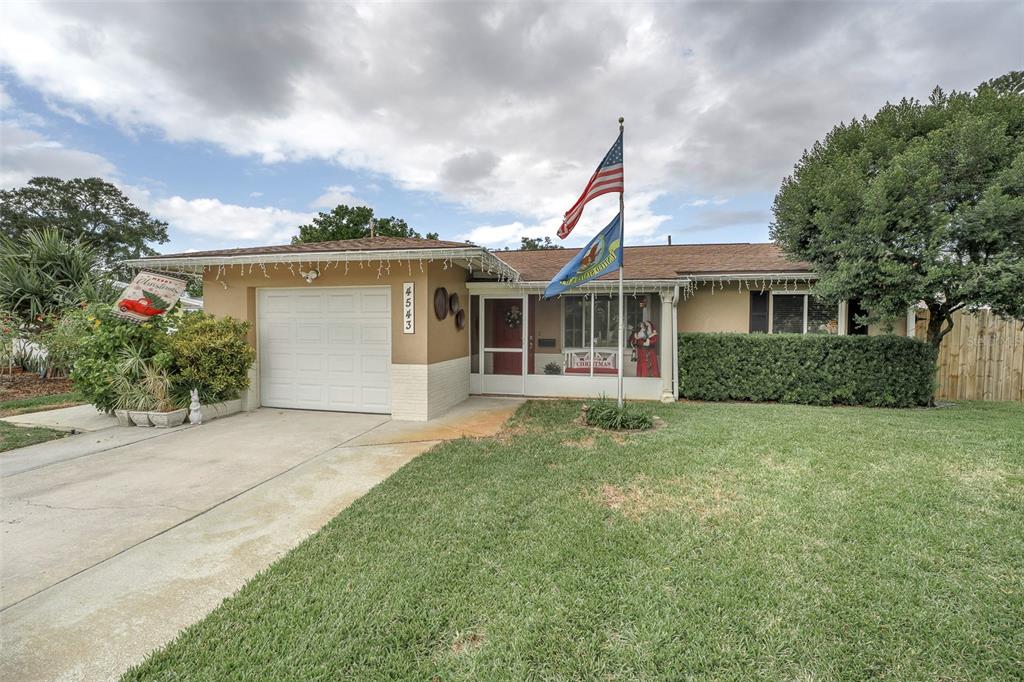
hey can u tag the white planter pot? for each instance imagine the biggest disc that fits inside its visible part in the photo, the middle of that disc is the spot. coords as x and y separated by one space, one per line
123 418
140 418
167 419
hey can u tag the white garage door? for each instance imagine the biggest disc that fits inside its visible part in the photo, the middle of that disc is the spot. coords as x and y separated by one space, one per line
325 349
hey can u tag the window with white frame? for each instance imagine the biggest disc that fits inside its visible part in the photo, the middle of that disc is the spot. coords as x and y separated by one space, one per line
801 313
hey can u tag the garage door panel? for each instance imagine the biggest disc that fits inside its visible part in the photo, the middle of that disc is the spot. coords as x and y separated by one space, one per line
278 331
374 302
375 365
375 397
309 363
277 391
278 364
306 333
343 303
341 364
342 395
374 333
341 333
277 303
308 303
327 349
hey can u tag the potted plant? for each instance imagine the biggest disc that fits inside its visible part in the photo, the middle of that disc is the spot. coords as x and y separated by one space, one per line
133 403
143 391
157 384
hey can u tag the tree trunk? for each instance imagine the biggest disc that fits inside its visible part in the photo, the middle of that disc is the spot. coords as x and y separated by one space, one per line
940 322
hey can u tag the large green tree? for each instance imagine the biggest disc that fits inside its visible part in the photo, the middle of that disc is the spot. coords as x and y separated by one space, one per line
87 210
353 222
535 244
924 201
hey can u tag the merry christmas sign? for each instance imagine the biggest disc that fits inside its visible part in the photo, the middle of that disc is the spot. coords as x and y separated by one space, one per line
149 294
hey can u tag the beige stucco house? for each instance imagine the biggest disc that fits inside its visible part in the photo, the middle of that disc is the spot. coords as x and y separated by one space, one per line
412 327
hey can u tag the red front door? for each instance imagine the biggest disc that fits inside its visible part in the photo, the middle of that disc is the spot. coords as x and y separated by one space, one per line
503 328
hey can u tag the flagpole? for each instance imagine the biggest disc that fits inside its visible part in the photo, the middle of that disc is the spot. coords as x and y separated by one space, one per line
622 233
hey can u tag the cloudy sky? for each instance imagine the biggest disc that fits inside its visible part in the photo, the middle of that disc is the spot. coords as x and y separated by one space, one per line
236 122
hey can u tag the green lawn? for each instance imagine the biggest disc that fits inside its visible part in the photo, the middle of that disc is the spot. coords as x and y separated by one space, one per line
39 403
740 541
12 436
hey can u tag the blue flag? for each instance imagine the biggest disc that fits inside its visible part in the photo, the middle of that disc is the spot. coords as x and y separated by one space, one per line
601 256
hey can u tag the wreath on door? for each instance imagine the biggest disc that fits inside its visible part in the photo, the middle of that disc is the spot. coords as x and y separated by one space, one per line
513 317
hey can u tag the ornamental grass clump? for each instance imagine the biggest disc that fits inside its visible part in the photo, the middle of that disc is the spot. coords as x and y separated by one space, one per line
606 414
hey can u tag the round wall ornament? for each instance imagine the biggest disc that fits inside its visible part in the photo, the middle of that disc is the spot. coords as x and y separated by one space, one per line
441 303
453 303
460 320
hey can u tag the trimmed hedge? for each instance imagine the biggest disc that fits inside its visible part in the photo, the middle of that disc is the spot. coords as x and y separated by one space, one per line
815 369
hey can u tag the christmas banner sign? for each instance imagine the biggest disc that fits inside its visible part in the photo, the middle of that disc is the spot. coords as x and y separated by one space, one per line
149 294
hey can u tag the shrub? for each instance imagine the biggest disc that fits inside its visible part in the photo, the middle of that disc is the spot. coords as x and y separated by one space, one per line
62 339
212 355
101 349
606 414
879 371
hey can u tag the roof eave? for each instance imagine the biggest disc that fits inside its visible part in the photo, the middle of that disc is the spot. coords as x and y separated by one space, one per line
475 257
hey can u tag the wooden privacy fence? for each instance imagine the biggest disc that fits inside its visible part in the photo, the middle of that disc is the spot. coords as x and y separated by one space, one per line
982 358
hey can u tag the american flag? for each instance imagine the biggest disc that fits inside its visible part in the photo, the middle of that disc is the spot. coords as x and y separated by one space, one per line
607 178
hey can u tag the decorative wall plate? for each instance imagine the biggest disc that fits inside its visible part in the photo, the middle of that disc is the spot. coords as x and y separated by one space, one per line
453 303
460 320
441 303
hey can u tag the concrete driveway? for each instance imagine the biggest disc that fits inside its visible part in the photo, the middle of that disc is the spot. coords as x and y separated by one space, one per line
109 548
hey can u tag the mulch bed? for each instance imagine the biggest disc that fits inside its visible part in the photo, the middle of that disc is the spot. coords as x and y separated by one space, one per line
22 385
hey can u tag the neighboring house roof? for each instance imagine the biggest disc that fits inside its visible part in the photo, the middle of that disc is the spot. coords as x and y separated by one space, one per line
368 244
665 262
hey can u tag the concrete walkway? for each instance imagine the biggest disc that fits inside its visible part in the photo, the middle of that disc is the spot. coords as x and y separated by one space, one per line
108 555
78 418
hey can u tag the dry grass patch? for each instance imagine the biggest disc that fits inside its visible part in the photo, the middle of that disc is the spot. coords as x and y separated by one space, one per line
703 500
466 642
583 443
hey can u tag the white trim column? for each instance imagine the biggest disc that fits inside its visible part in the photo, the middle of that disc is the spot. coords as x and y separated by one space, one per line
668 345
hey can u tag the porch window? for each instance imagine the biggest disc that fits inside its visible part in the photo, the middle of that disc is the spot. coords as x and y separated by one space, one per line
577 335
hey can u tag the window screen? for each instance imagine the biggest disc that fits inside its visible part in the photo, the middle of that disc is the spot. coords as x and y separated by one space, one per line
788 314
577 322
821 317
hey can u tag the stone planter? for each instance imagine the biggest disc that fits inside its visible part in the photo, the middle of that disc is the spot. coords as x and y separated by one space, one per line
123 418
167 419
223 409
140 418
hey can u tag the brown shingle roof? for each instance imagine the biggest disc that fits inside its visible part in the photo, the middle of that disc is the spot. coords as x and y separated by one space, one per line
375 244
664 262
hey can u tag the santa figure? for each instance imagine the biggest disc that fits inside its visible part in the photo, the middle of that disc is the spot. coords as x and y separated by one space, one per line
645 349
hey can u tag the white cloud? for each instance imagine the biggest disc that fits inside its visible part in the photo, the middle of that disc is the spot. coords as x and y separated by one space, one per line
507 107
217 221
641 225
26 153
255 195
335 195
704 201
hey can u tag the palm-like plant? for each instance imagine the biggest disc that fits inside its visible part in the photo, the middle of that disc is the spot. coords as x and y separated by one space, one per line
41 275
142 385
